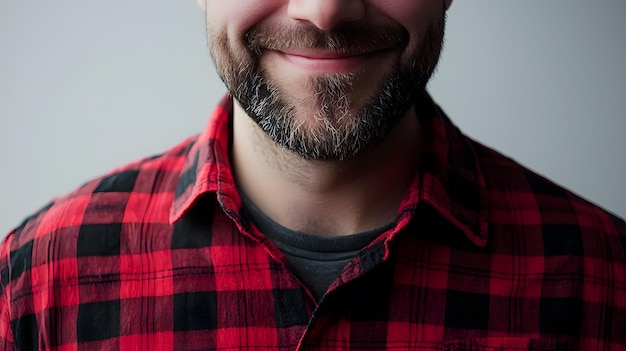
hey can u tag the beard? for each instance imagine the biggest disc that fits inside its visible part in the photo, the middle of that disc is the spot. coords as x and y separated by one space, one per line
343 123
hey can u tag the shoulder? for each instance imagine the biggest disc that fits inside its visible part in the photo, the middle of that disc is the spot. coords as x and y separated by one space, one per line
117 197
519 196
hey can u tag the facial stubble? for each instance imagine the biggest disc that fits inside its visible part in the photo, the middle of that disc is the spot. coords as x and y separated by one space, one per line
338 128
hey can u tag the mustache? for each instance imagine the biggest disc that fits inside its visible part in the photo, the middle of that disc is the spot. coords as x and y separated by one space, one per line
345 38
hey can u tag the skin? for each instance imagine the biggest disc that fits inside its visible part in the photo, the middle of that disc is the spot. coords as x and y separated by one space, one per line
322 193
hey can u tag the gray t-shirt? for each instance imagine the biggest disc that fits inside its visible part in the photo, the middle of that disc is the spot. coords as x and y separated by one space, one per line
316 260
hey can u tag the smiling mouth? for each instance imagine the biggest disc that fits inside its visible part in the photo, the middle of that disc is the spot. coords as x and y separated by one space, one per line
331 61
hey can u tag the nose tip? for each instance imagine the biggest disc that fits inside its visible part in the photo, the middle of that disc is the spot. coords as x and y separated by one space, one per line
326 14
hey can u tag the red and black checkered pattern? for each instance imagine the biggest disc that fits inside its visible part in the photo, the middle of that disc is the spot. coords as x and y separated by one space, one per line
159 255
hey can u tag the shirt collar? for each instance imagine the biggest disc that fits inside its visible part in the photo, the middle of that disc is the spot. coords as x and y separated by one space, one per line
207 163
450 179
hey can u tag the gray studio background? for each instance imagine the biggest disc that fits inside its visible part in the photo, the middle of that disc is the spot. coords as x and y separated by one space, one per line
86 86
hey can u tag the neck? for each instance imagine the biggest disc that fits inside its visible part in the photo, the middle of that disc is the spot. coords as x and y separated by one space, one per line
325 197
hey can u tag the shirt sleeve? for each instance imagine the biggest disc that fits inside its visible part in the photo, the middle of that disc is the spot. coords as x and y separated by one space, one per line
7 341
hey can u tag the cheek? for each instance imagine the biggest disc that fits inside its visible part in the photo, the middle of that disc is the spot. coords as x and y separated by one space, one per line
237 16
414 15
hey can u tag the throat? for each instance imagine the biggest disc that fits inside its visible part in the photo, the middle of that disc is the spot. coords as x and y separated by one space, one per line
330 197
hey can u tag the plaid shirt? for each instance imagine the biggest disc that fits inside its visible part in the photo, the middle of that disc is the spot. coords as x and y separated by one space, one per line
159 255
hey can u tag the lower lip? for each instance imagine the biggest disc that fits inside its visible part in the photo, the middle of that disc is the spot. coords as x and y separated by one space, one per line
326 65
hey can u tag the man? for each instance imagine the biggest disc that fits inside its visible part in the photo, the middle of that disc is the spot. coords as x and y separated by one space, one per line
328 205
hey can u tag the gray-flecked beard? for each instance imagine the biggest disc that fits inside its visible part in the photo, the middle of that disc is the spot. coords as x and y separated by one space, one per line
339 130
